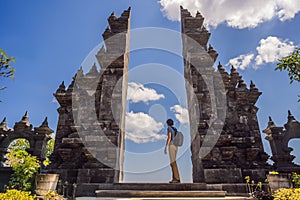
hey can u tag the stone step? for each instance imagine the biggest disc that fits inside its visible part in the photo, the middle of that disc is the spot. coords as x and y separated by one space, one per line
158 193
88 189
156 186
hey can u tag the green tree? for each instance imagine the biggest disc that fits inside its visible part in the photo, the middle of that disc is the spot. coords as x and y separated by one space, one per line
49 150
6 69
291 64
25 166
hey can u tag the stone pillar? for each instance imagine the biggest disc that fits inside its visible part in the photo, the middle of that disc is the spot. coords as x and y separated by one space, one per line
90 149
279 139
238 151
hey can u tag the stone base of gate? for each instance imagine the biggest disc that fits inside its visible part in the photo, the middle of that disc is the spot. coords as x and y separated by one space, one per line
119 189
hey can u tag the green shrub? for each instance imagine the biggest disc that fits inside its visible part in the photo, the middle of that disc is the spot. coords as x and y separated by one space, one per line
24 167
14 194
296 180
52 195
287 194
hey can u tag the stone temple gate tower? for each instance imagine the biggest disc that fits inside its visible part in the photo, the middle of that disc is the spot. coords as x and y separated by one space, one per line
239 150
86 107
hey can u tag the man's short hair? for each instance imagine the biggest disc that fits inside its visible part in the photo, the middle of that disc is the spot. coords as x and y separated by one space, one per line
170 122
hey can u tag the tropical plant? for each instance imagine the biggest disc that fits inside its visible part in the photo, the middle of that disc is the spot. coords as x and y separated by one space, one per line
24 167
256 190
296 180
52 195
6 69
14 194
49 151
287 194
291 64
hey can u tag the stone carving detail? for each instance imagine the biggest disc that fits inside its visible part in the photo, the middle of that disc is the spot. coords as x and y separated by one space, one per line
77 143
279 138
239 151
37 137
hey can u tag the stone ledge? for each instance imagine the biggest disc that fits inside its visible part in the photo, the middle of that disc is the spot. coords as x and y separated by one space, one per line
153 193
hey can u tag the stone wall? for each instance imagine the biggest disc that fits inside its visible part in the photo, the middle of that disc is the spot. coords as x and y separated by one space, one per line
89 145
279 138
238 152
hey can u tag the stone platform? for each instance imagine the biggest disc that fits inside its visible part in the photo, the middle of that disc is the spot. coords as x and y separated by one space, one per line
163 191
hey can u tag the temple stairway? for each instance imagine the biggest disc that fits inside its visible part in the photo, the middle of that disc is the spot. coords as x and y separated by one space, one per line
184 191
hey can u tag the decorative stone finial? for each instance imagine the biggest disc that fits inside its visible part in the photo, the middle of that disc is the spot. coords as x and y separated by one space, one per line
252 85
25 117
253 88
242 84
44 128
290 116
198 14
270 119
23 124
220 66
233 69
61 88
93 71
3 121
45 123
3 125
271 124
212 52
79 72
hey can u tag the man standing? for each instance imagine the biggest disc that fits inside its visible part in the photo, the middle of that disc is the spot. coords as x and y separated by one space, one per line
172 151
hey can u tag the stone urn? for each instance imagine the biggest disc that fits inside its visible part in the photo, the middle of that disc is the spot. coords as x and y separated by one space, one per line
45 183
281 180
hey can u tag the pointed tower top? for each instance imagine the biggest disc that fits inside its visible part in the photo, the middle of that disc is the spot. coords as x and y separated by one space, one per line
242 84
45 123
44 128
72 84
23 123
61 88
270 119
253 87
4 120
220 67
198 15
233 69
93 71
79 73
3 125
271 124
290 116
25 117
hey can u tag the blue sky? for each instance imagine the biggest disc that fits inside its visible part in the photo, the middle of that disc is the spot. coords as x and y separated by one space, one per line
50 40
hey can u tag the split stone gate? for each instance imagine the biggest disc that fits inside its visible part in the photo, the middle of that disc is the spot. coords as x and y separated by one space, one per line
238 151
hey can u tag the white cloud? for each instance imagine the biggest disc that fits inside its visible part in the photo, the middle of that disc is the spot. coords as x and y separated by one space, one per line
241 62
271 49
137 92
142 128
181 114
236 13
